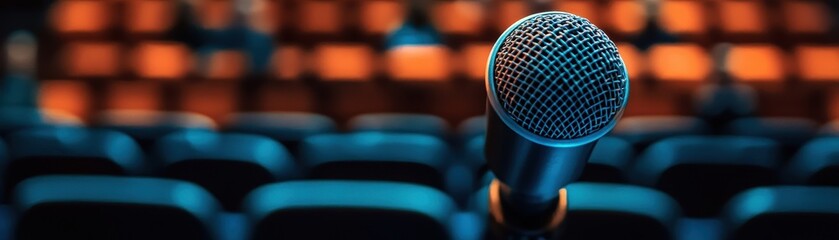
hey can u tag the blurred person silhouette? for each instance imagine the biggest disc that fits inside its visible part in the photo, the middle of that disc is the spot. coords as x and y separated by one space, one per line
18 87
653 33
722 99
417 28
247 28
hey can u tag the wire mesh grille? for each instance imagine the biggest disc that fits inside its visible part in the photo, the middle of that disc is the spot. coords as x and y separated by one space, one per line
560 77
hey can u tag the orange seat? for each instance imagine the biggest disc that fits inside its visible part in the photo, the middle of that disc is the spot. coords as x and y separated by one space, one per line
627 16
817 63
344 62
681 62
474 57
743 17
81 16
683 17
320 16
287 62
70 96
632 58
214 14
161 60
582 8
225 65
460 17
806 17
212 99
149 16
92 59
508 12
756 63
380 16
419 63
133 95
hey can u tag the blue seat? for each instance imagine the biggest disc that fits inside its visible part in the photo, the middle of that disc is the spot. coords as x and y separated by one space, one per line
702 173
472 127
147 126
400 123
288 128
609 211
791 133
228 165
643 131
16 118
105 207
816 163
70 150
784 212
401 157
609 162
329 209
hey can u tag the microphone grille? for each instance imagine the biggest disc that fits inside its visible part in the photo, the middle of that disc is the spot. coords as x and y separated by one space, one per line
559 76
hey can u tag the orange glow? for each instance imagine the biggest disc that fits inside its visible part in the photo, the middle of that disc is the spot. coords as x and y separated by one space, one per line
419 63
320 16
69 96
81 16
742 17
627 17
475 60
756 62
136 95
344 62
582 8
632 58
215 100
287 62
459 17
227 65
497 213
380 16
805 17
92 59
215 14
149 16
679 62
508 12
683 17
818 63
162 60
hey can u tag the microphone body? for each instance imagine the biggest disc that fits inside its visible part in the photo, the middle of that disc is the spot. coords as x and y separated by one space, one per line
533 171
555 85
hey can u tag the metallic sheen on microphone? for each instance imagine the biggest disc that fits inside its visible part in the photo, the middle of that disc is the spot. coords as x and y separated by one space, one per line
555 85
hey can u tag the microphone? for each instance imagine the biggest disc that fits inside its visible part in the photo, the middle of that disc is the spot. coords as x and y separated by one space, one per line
555 85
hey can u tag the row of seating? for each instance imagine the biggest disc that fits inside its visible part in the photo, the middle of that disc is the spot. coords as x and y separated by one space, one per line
276 147
359 62
101 207
462 18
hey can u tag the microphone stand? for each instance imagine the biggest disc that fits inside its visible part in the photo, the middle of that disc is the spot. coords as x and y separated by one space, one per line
512 219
